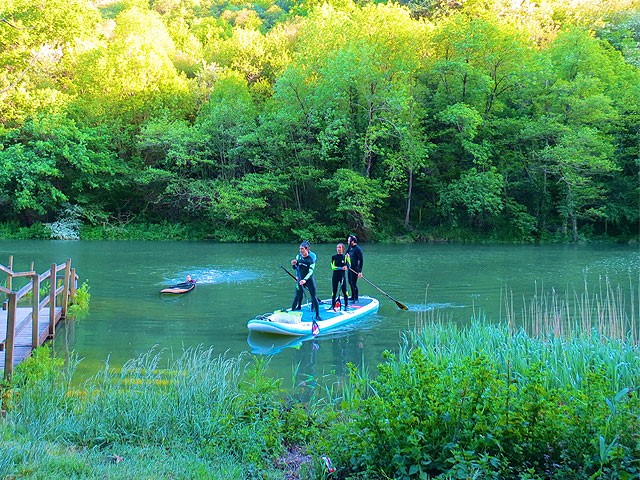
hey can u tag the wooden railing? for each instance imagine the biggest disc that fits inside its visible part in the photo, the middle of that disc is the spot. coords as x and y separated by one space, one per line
62 287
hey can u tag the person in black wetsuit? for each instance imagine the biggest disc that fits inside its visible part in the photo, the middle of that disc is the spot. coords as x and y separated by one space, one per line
355 270
340 265
304 265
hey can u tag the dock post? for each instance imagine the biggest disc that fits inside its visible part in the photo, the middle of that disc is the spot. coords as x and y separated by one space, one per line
52 300
65 288
11 332
74 285
35 312
9 277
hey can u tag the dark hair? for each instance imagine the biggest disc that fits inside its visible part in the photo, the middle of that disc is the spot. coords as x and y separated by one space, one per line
305 244
352 237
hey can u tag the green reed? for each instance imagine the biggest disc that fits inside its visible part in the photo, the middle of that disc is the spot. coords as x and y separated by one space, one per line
608 310
183 416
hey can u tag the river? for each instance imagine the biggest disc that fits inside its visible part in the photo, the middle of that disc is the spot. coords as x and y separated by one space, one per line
235 282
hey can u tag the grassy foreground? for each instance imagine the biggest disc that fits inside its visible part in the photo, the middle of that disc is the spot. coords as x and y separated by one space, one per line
479 402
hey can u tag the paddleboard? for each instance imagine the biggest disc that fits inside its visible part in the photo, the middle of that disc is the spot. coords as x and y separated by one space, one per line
300 323
179 288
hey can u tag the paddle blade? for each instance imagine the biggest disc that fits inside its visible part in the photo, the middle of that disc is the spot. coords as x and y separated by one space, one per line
315 329
401 305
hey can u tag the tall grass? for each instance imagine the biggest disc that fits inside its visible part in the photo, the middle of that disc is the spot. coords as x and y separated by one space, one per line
570 334
607 311
188 416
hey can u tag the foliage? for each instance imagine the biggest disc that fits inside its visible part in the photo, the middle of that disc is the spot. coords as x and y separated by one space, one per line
475 119
482 402
67 226
80 306
198 412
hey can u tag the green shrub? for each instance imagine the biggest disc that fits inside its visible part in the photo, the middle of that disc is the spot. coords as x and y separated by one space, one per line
480 403
81 300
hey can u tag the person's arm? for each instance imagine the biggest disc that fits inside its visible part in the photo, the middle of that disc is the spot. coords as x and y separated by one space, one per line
356 260
310 272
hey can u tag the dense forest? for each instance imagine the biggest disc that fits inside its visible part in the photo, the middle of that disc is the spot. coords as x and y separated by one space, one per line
272 120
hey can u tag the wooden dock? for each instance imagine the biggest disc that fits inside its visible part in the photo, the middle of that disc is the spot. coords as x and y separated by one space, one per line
26 321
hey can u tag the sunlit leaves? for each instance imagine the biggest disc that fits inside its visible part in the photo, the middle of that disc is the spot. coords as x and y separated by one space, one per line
35 41
476 62
228 116
499 110
133 73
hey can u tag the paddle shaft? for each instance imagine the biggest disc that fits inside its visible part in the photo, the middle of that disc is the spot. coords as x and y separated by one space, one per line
289 273
296 280
400 305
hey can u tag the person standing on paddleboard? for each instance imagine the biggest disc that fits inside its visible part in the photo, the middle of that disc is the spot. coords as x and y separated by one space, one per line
340 265
355 270
314 257
304 265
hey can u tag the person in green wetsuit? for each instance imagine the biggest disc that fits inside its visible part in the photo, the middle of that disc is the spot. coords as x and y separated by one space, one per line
304 266
314 257
340 264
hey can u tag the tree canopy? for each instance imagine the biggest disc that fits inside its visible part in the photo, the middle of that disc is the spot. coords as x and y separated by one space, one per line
268 121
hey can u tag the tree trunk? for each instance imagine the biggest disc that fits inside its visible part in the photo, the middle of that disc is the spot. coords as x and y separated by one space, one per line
407 215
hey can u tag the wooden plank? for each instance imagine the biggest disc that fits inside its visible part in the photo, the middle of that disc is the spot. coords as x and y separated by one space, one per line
21 314
18 335
22 347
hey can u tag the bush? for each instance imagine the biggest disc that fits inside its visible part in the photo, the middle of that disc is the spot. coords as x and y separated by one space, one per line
453 409
81 300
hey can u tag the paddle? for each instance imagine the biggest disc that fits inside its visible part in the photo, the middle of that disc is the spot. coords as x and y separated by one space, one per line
289 273
315 329
400 305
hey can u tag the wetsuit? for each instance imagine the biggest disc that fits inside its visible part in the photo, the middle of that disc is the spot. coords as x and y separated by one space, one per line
357 260
314 257
339 278
304 271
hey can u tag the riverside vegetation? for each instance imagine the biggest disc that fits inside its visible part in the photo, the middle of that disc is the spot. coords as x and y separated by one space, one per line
454 402
416 120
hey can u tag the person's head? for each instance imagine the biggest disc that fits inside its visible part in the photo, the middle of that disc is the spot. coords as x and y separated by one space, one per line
340 248
188 277
352 240
304 248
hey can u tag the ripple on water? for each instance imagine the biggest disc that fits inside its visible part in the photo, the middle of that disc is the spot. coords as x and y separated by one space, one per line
205 276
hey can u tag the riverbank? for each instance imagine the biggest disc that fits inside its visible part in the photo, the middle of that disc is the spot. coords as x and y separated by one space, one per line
484 400
177 231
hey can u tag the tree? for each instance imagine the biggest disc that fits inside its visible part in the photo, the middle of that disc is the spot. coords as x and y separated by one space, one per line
50 161
131 77
229 115
475 196
357 198
37 47
579 162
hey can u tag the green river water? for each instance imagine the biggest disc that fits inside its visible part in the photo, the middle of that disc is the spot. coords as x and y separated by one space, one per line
235 282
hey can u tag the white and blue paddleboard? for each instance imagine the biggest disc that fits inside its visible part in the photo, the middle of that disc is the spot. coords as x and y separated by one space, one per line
300 322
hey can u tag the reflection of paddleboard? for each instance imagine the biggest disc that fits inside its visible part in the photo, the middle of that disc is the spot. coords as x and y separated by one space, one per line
267 344
283 322
179 288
